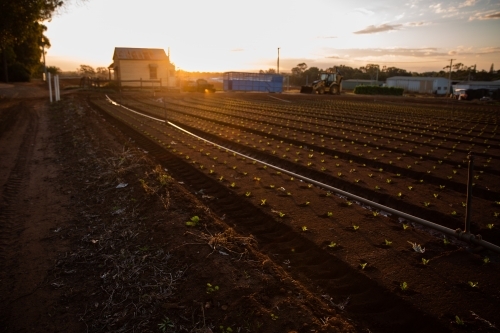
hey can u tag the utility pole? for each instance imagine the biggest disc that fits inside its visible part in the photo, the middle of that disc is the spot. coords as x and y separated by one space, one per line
43 53
449 77
278 60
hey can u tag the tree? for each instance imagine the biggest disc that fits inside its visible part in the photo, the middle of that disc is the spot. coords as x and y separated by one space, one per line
492 69
102 72
85 70
19 21
269 71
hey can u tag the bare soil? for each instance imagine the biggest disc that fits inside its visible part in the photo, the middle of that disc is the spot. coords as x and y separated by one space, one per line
93 238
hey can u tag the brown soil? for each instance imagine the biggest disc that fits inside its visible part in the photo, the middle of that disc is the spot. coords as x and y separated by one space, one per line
94 239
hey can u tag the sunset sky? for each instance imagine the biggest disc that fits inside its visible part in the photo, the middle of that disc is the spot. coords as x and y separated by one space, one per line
232 35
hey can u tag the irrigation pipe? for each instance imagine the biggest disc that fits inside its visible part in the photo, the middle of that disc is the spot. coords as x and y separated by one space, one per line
465 236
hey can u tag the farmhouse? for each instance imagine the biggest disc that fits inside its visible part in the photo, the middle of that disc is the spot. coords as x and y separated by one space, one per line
423 85
143 67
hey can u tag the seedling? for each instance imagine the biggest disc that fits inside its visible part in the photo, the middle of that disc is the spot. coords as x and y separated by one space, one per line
233 185
446 241
400 195
459 321
495 214
225 330
387 243
404 286
410 187
363 265
425 261
355 227
263 202
271 186
486 260
427 204
304 228
375 213
370 175
436 195
211 171
281 214
441 187
332 245
247 194
329 214
211 289
356 180
273 316
473 284
221 178
349 203
388 181
405 226
193 222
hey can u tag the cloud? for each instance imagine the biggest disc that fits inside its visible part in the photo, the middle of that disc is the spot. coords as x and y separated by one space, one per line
237 50
467 3
333 57
364 11
327 37
489 15
372 29
399 17
415 24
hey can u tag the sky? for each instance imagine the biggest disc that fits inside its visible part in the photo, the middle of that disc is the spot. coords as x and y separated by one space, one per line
235 35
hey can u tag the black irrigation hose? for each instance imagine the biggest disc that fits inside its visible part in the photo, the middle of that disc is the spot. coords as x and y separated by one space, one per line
465 236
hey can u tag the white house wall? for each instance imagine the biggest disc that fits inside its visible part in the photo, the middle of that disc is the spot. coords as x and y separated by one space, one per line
139 69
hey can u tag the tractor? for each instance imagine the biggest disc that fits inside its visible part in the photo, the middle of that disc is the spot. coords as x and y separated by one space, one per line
328 83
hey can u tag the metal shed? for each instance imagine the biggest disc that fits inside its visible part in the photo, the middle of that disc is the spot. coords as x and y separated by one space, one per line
423 85
239 81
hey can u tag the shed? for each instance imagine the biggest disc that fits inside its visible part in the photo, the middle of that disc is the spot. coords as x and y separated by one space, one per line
423 85
476 85
353 83
239 81
142 66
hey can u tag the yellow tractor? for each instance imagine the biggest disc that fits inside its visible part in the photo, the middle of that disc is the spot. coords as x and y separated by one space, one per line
328 83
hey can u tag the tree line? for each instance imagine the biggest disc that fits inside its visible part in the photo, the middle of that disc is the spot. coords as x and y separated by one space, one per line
302 74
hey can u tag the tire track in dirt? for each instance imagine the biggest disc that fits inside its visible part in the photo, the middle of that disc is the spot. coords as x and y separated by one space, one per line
370 304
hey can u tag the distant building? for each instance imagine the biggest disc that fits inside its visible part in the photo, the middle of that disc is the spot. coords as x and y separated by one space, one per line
476 85
152 66
353 83
422 85
238 81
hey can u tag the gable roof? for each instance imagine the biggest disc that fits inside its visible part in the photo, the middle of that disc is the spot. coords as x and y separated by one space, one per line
417 78
131 53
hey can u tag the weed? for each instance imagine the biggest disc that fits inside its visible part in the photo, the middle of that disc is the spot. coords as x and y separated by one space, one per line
403 286
211 289
165 324
193 222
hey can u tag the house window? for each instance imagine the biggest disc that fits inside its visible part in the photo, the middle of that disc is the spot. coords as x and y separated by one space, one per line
153 73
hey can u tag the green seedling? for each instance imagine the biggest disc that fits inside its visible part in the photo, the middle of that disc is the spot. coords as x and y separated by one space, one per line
348 203
495 214
329 214
304 228
211 171
403 286
165 324
226 329
375 213
355 227
281 214
274 317
211 289
436 195
247 194
332 245
486 260
454 213
233 185
309 164
427 204
446 241
221 178
387 243
459 321
410 187
441 187
490 226
257 179
405 226
388 181
363 265
193 222
473 284
356 180
272 186
425 261
263 202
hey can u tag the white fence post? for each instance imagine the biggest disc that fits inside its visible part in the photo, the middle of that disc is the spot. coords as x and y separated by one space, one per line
50 86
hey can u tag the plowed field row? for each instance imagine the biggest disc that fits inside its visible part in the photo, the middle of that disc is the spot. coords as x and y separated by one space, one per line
336 247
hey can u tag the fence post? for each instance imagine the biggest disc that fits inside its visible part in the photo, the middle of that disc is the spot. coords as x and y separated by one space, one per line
468 207
50 86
